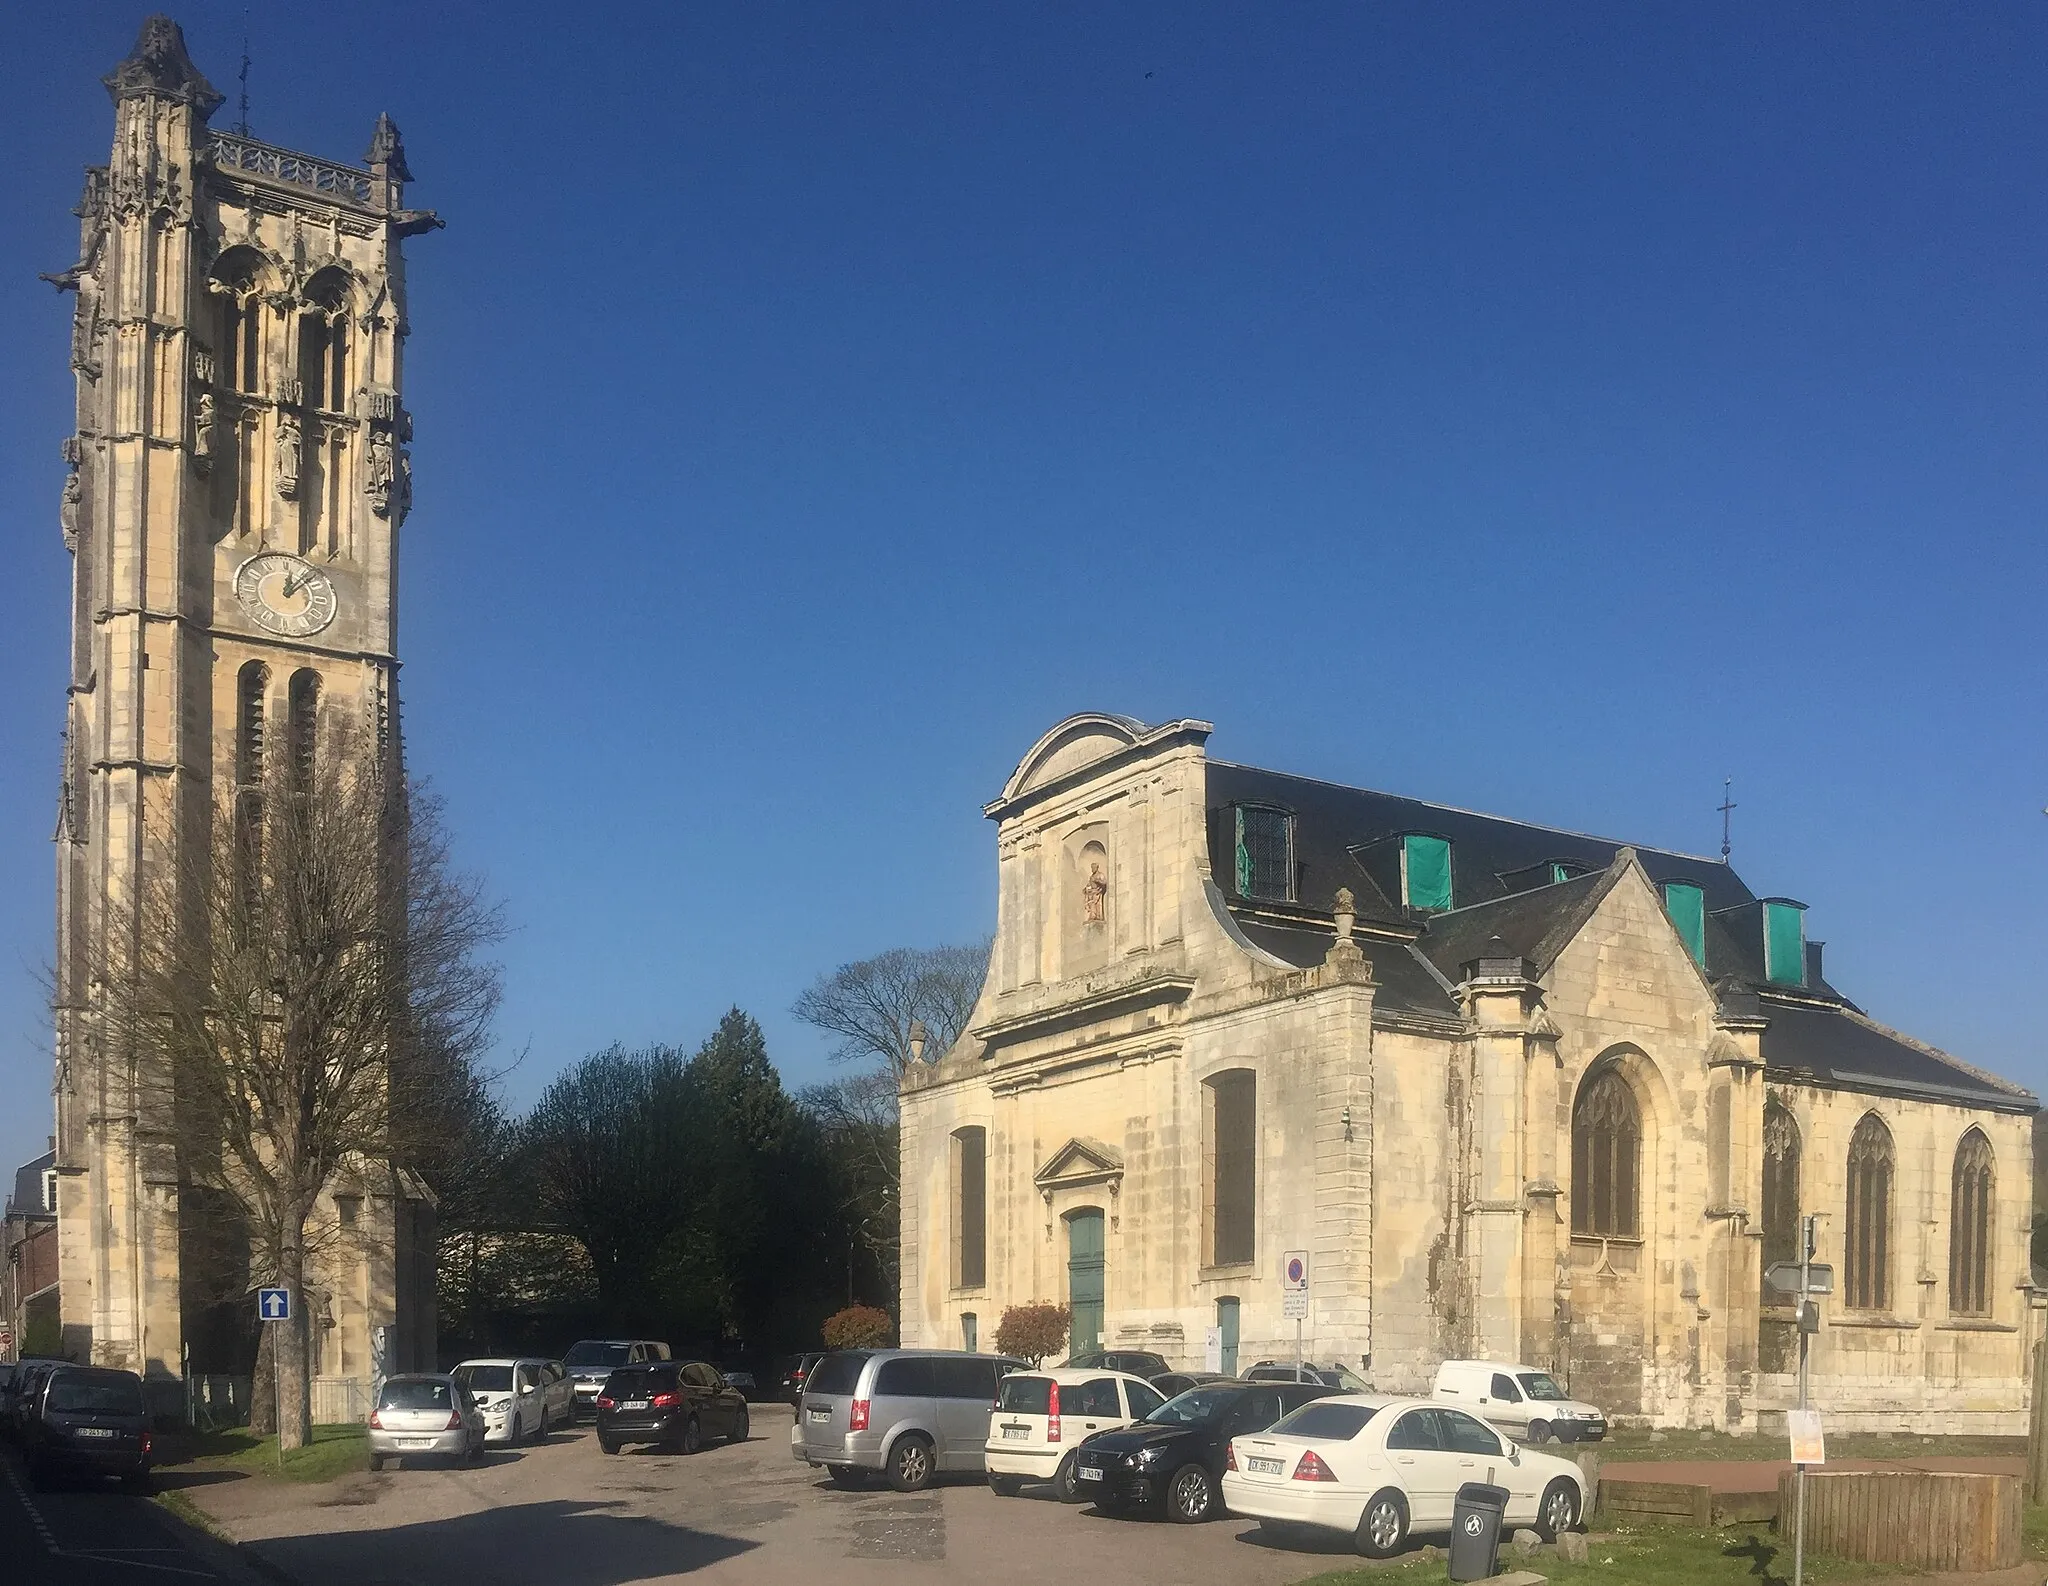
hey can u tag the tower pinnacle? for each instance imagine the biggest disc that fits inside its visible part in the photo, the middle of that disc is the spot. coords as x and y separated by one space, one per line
159 64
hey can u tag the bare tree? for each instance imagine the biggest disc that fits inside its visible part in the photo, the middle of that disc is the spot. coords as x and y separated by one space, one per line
307 1002
871 1005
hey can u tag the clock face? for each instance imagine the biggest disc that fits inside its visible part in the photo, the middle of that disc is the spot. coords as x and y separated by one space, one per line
285 594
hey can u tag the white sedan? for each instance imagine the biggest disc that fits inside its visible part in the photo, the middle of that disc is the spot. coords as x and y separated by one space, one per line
1378 1469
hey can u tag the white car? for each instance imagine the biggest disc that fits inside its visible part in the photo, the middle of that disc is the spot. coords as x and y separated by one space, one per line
1523 1402
1378 1469
520 1398
1041 1416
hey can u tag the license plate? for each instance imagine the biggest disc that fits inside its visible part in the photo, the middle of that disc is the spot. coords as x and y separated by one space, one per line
415 1442
821 1415
634 1404
95 1431
1089 1473
1017 1433
1264 1467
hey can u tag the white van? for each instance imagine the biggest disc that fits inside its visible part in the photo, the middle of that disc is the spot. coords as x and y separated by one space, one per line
1523 1402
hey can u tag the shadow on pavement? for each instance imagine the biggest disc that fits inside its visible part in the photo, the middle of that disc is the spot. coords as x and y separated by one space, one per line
563 1543
174 1478
1309 1539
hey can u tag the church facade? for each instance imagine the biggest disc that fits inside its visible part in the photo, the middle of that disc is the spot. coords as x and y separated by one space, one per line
1517 1093
235 482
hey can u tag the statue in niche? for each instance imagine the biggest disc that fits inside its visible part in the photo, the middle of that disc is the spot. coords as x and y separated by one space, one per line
74 492
203 416
381 473
1093 891
287 454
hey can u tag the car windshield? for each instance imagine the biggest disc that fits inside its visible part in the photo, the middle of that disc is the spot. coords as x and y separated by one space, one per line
1024 1395
592 1353
416 1393
1336 1422
485 1379
1195 1406
835 1374
1342 1376
1541 1385
109 1395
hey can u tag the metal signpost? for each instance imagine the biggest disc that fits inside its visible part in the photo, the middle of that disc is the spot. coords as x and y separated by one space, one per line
275 1305
1294 1289
1805 1277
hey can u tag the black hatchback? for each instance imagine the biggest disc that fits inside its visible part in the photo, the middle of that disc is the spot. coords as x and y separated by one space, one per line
678 1404
91 1421
1173 1458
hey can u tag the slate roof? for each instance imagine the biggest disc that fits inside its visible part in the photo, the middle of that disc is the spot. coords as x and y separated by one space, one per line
1500 868
27 1200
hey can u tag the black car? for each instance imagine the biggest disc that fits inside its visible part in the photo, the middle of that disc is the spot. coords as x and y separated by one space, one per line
798 1374
17 1402
1178 1382
1173 1458
88 1420
1138 1362
674 1403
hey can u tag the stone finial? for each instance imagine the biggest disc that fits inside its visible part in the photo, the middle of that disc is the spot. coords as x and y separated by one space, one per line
918 1036
386 155
159 64
1347 913
1345 960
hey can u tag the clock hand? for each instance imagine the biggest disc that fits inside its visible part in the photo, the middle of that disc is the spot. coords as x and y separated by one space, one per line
291 585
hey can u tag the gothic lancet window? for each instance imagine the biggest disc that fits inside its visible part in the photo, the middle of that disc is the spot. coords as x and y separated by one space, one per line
1607 1138
252 684
241 323
1233 1167
1866 1244
324 343
1970 1222
1781 1185
302 713
970 1207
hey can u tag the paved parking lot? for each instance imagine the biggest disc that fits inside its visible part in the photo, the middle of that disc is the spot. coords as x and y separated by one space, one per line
566 1515
92 1534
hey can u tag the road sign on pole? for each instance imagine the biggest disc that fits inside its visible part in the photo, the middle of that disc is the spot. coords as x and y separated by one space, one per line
1786 1277
274 1305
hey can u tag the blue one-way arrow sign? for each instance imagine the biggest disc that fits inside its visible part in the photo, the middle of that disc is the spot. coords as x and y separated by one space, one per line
274 1305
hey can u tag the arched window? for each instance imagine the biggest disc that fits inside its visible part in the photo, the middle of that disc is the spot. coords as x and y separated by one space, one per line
302 715
970 1207
324 342
1867 1231
1781 1184
1233 1162
1607 1143
252 684
241 323
1969 1228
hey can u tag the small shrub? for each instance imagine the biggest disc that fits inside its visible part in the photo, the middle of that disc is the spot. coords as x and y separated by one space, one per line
1031 1332
857 1327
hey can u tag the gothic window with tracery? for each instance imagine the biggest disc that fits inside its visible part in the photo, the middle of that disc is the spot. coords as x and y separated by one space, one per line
241 325
324 343
302 713
252 683
1866 1244
1970 1222
1607 1144
1781 1184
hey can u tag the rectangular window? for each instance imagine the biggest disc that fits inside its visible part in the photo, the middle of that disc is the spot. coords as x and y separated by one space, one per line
1425 872
970 1332
1265 853
970 1203
1785 944
50 1189
1234 1157
1687 906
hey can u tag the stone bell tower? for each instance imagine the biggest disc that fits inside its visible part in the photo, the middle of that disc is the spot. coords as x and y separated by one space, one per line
235 484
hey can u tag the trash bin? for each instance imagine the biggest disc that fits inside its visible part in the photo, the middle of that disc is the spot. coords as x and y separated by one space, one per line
1475 1530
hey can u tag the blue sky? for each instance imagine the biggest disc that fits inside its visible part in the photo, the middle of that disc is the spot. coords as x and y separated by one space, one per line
1548 410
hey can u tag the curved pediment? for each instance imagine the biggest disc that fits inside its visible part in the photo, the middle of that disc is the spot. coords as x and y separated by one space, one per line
1080 741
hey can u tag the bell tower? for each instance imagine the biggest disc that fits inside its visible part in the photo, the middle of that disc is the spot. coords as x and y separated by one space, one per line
235 483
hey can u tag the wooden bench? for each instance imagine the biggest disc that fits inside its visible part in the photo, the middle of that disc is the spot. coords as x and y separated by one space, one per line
1926 1519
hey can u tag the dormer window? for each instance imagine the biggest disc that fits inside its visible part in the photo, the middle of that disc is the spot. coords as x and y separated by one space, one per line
1784 942
1687 906
1425 872
50 1190
1265 852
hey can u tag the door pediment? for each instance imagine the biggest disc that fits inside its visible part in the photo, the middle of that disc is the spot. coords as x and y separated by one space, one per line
1081 1161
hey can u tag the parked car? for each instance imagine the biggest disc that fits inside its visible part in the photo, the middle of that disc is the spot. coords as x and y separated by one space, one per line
88 1420
424 1415
744 1381
674 1403
908 1413
1178 1382
793 1379
1138 1362
1173 1458
1523 1402
28 1379
1334 1375
1042 1417
590 1360
1381 1469
520 1398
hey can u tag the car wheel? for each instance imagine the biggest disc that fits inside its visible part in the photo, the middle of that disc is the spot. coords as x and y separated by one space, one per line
1004 1486
851 1477
911 1464
742 1428
609 1444
693 1436
1066 1486
1383 1528
1539 1433
376 1462
1559 1511
1191 1495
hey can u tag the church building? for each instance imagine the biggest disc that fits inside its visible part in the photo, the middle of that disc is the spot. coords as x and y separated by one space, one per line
234 484
1516 1093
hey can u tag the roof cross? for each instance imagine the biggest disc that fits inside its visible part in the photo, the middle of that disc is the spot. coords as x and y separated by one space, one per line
1727 808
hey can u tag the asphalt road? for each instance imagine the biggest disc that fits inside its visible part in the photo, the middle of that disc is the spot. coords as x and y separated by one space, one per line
565 1514
92 1534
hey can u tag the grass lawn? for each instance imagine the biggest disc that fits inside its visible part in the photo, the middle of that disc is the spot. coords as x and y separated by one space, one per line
334 1451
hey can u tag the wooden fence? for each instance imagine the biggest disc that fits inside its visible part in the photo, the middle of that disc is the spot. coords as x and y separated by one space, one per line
1935 1521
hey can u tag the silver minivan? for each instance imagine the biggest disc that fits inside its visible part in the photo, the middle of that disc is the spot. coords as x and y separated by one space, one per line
907 1413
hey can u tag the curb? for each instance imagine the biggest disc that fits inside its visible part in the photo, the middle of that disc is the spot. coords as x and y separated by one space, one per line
218 1550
